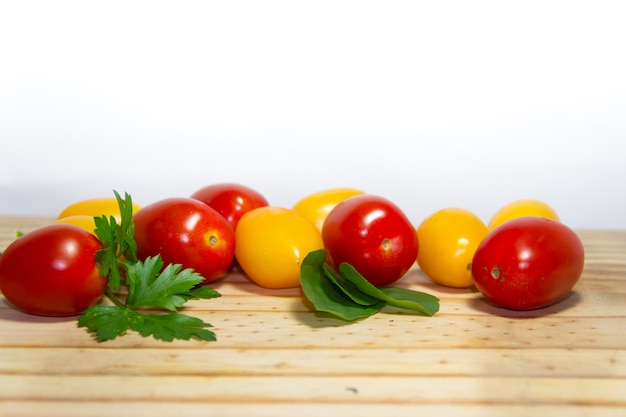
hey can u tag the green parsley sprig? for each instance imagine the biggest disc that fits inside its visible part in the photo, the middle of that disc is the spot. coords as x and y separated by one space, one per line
150 284
347 295
118 241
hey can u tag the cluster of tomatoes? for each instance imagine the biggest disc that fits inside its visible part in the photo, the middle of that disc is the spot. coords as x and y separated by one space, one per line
525 258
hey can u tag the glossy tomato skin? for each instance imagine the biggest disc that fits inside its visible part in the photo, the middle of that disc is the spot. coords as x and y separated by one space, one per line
188 232
373 235
83 221
522 208
448 239
231 200
316 206
528 263
102 206
272 242
52 271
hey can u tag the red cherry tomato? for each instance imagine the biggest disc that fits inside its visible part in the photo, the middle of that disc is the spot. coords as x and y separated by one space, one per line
528 263
188 232
230 200
373 235
52 271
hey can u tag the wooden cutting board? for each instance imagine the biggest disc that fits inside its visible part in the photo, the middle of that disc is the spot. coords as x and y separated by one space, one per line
274 357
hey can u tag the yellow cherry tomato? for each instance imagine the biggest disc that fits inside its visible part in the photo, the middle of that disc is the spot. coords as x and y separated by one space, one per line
271 243
83 221
522 208
316 206
448 239
107 206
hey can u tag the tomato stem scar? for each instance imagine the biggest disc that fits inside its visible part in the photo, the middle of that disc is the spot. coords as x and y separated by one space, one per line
495 272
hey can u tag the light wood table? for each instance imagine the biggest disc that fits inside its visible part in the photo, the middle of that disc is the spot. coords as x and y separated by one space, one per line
274 357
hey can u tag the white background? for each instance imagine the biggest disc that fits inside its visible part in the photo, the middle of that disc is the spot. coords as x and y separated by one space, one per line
429 103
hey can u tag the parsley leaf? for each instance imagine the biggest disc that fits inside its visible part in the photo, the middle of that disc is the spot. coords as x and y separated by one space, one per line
150 284
168 327
107 256
108 322
118 241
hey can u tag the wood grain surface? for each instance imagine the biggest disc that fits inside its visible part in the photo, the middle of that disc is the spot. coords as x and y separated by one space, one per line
274 357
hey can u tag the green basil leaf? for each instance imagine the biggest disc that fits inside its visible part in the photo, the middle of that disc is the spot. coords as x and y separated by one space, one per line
349 288
325 296
409 299
420 302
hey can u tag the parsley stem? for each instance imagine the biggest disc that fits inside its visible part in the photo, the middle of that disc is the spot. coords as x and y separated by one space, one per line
111 295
